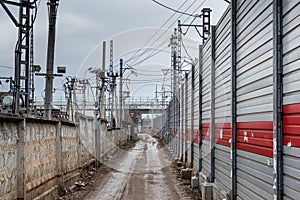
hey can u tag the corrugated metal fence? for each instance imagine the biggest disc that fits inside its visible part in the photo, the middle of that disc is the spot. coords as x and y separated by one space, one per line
240 107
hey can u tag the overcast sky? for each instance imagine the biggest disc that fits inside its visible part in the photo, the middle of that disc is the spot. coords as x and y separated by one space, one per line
83 25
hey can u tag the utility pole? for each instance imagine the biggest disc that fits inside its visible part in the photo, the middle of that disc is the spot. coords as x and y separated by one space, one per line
97 89
22 52
174 82
174 61
70 87
84 82
31 83
120 94
53 5
205 26
112 85
102 76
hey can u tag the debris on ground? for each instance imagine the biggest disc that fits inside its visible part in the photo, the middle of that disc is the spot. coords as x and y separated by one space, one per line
91 180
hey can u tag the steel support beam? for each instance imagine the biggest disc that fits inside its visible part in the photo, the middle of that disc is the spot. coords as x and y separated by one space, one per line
200 110
234 100
277 99
21 3
212 107
182 122
192 115
186 118
11 16
102 99
121 95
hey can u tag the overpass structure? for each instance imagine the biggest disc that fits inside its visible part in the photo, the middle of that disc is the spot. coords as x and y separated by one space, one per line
145 106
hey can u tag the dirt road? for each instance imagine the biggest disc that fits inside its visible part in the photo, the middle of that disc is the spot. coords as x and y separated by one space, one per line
143 172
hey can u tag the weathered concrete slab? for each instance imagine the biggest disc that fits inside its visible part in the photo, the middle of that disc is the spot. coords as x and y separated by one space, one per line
186 174
40 157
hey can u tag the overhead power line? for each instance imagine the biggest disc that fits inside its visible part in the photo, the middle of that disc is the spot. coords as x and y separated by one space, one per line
158 50
153 35
181 12
154 51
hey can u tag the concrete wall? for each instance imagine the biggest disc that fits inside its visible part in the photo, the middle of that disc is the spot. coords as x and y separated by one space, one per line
8 158
39 157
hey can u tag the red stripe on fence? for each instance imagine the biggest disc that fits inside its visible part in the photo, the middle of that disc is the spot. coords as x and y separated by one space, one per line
223 134
291 109
223 126
255 125
255 137
189 135
266 134
223 143
291 125
255 141
291 129
196 136
206 132
291 120
268 152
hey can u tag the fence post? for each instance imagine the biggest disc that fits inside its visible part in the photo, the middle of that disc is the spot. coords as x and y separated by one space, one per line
21 159
200 111
97 141
234 99
192 115
212 107
59 161
277 99
186 118
182 122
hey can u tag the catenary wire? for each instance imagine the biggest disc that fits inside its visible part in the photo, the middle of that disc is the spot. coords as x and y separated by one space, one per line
156 51
184 13
151 45
161 27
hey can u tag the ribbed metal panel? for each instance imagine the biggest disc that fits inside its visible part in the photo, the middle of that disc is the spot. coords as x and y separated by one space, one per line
196 120
196 158
206 159
254 98
223 103
223 168
291 172
223 73
189 123
206 86
254 137
254 61
254 176
196 100
291 51
291 90
206 106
